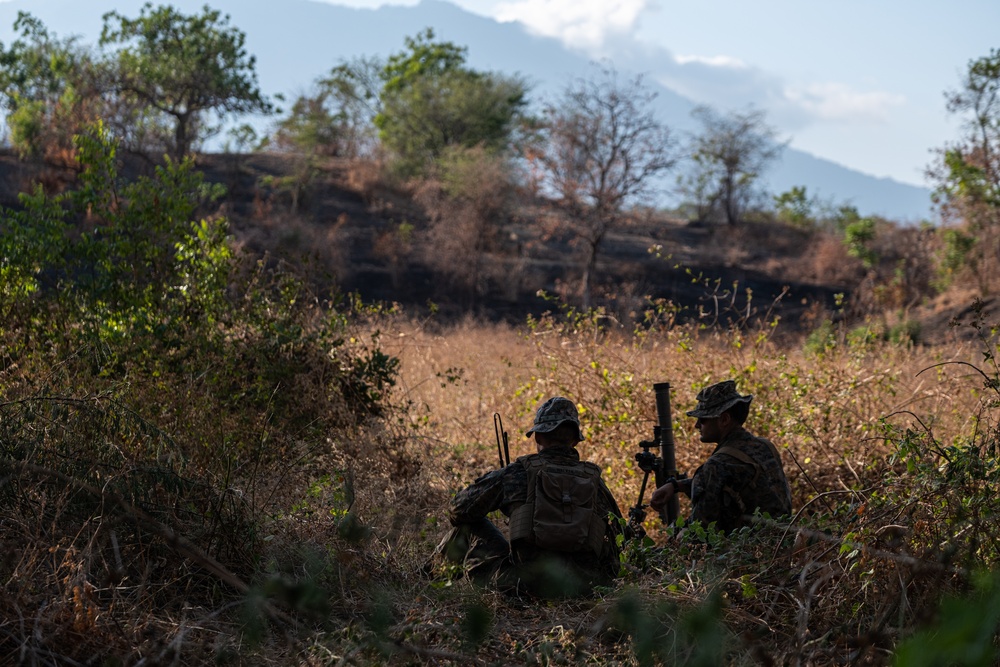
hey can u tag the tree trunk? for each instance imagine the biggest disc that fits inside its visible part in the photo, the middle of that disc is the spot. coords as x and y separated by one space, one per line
181 140
588 274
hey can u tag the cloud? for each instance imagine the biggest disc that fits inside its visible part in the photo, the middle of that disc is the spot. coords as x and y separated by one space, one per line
585 24
727 62
838 102
726 82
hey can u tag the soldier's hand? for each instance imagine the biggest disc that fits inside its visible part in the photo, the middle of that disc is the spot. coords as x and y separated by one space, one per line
662 495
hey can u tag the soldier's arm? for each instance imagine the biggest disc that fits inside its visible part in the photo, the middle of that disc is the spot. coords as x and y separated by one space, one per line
706 491
715 493
476 501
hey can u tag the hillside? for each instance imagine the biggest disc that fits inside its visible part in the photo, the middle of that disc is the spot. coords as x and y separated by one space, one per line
344 233
351 238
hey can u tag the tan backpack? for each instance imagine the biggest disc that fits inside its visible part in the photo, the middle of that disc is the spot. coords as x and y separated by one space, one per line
561 513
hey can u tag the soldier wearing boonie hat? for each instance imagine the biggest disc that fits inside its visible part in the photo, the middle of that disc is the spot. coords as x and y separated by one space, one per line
552 414
535 558
743 475
717 398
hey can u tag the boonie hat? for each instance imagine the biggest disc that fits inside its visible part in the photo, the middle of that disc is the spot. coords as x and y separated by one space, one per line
554 412
715 399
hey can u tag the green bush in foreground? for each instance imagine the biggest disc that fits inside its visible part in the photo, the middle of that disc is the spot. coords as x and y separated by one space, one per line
162 405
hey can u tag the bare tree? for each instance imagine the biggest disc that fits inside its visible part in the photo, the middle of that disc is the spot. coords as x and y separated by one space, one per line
602 145
729 155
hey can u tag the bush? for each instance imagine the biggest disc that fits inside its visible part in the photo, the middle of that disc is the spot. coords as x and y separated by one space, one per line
162 405
906 332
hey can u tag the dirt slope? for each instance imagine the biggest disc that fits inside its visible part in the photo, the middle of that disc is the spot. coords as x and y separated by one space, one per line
348 237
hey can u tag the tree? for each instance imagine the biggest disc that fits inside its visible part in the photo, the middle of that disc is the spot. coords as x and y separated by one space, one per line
968 173
430 100
601 148
337 116
794 206
50 88
729 156
183 67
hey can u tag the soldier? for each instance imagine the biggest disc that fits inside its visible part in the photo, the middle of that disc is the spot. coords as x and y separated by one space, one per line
743 474
563 518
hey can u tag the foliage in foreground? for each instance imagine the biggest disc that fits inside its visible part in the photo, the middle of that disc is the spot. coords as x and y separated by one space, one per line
167 417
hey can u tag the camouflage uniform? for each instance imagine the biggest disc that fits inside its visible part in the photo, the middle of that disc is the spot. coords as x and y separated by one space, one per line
726 488
477 542
743 474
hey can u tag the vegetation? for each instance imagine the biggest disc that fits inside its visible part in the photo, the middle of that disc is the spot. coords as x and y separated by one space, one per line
210 455
182 67
138 81
430 101
601 151
968 172
51 89
729 156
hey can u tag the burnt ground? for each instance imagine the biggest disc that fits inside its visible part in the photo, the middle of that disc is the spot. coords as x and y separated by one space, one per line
371 240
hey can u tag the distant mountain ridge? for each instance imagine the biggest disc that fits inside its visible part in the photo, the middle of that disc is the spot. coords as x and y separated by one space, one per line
297 41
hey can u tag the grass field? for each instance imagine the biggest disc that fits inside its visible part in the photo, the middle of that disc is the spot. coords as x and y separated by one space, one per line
164 519
863 429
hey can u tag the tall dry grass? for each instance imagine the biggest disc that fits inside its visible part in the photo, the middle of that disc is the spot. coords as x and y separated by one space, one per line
338 564
857 570
821 409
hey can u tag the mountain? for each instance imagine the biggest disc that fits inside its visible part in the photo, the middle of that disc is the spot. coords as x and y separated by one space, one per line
297 41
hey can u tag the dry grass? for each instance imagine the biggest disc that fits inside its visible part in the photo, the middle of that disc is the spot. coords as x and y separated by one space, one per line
293 531
789 594
343 528
821 410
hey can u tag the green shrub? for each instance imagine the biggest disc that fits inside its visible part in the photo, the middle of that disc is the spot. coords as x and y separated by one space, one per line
822 339
162 404
906 332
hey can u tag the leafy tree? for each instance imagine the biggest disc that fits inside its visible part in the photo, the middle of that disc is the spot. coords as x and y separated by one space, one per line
431 100
601 149
729 155
420 102
953 256
794 206
50 88
968 173
353 89
183 68
337 116
858 236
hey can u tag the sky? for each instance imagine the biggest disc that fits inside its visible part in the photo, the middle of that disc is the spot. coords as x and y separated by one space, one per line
858 82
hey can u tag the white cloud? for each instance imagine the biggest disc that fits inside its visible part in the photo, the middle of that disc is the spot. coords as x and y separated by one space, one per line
578 23
712 61
728 82
838 102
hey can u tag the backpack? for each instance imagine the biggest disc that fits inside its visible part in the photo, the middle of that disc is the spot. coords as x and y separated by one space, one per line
561 510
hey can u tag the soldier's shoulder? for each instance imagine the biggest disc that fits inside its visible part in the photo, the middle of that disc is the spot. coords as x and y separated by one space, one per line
747 440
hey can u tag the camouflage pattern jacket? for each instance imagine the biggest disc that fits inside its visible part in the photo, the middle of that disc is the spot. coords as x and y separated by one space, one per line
743 474
506 489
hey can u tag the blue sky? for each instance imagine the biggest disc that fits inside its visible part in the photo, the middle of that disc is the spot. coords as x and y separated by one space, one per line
859 82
